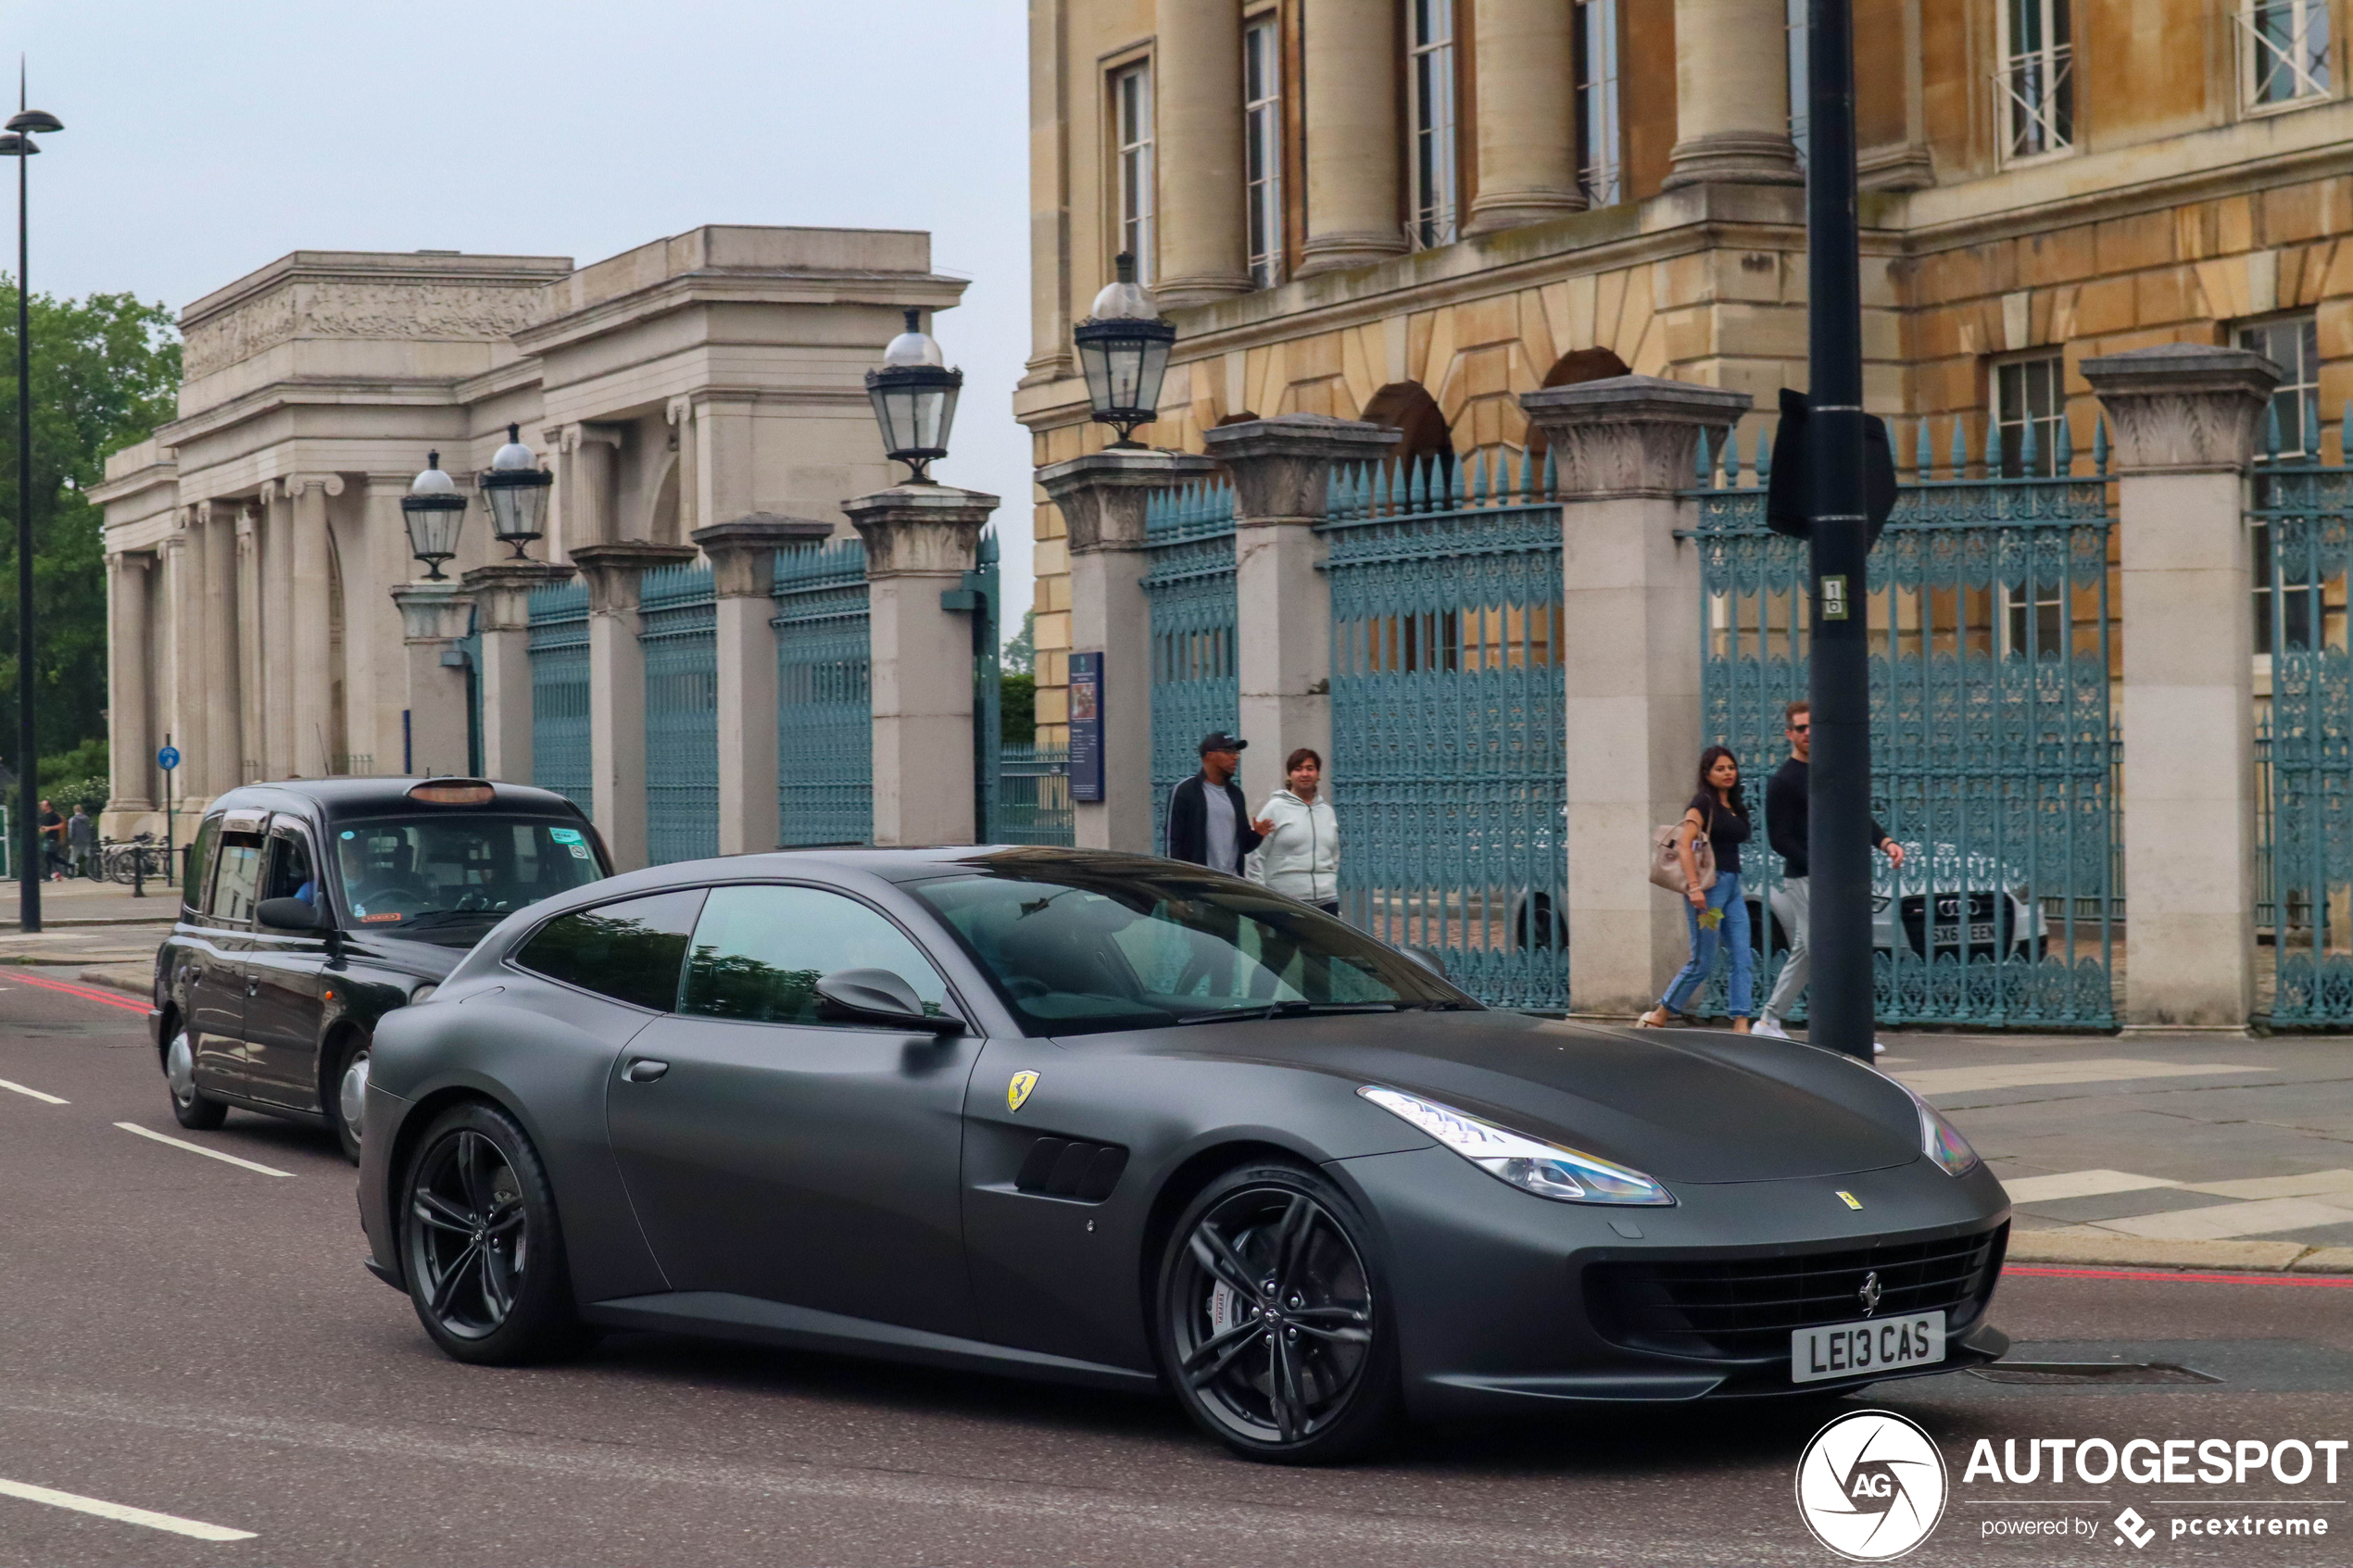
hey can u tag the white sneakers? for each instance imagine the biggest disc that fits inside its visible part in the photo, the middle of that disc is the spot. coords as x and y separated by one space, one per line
1770 1027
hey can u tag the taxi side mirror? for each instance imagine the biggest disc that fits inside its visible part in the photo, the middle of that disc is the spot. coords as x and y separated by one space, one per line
289 914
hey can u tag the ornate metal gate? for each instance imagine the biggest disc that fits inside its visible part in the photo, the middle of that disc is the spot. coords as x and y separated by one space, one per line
677 637
558 648
1188 532
2304 749
1994 757
825 730
1447 712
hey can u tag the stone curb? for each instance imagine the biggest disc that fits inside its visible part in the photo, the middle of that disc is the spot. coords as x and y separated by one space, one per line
2242 1257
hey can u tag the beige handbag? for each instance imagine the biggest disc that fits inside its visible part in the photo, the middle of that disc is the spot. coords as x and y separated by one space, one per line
1667 864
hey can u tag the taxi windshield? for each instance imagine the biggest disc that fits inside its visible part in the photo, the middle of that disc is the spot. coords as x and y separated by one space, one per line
430 874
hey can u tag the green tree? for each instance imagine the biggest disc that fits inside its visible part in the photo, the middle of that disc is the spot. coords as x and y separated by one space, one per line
1020 654
1017 703
105 372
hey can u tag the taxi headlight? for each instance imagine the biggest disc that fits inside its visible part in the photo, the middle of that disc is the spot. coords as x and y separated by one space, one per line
1548 1170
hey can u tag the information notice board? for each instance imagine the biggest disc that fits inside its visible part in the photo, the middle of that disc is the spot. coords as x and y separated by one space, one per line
1087 726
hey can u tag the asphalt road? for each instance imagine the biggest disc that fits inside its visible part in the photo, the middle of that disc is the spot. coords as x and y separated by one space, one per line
195 1338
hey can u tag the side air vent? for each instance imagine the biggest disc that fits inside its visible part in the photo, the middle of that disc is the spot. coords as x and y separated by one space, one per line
1072 1168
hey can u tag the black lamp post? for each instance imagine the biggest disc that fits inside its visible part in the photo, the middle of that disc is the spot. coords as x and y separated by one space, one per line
434 512
19 143
1123 349
514 489
914 399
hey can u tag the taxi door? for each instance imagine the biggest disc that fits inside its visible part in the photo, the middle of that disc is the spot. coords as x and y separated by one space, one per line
285 1004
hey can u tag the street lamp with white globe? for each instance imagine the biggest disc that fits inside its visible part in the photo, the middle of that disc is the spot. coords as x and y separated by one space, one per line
1123 349
434 512
914 399
514 490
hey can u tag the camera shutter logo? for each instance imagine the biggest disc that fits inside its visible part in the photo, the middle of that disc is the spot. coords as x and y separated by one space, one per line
1871 1486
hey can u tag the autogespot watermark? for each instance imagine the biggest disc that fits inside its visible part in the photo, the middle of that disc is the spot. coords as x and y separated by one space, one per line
1871 1486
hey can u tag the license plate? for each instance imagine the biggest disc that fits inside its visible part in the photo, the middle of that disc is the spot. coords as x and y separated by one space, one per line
1981 933
1858 1350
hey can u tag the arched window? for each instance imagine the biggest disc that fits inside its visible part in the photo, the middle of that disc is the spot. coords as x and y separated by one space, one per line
1406 408
1583 365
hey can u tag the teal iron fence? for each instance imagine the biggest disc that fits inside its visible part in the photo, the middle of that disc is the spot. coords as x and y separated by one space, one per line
677 637
558 643
1448 712
1189 536
1993 753
2305 747
1032 796
824 732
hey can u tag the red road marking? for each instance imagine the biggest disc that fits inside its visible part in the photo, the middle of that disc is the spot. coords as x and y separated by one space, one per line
112 999
2168 1275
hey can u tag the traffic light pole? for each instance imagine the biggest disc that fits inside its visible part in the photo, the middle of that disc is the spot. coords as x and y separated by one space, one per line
1838 1005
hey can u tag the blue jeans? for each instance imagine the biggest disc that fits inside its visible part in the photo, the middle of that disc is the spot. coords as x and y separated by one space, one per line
1732 933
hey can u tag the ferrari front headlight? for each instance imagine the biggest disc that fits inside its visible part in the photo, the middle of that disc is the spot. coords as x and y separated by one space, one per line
1548 1170
1941 1141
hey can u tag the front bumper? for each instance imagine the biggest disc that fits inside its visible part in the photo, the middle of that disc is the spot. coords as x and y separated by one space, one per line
1490 1284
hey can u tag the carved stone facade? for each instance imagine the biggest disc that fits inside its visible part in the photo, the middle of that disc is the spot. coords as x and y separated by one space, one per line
255 546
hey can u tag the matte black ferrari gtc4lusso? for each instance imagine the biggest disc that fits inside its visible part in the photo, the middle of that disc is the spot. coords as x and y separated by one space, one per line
1126 1122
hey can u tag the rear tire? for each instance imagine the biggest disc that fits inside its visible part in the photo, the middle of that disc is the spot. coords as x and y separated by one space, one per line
191 1107
345 1095
1272 1323
483 1251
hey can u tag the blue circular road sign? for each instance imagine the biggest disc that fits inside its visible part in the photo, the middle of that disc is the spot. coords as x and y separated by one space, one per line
168 759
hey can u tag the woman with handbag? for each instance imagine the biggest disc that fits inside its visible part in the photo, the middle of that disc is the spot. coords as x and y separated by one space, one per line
1715 821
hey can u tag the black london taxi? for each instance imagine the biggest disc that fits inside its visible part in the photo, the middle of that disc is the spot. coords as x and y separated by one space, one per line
312 908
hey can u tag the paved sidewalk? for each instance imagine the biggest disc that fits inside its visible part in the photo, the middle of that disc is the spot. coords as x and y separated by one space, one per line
91 930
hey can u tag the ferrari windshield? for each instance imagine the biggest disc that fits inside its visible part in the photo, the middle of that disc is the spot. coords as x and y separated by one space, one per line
455 871
1074 952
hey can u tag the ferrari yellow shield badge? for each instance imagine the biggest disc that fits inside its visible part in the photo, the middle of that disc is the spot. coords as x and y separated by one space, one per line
1018 1090
1851 1200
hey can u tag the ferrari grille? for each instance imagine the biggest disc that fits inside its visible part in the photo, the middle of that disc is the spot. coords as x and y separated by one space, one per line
1742 1309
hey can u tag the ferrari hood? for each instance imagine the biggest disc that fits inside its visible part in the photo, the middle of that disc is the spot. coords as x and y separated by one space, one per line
1682 1106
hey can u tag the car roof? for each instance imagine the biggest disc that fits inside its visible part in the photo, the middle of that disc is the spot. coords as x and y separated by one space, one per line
346 797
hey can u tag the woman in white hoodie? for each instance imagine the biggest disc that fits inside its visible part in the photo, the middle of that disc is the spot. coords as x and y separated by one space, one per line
1299 857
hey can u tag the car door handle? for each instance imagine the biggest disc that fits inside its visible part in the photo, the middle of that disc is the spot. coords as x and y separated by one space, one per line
195 973
253 985
644 1070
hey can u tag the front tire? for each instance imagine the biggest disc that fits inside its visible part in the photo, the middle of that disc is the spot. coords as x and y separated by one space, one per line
191 1107
1271 1323
347 1095
484 1253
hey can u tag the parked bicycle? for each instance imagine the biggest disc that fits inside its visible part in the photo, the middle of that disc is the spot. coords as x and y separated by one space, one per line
129 861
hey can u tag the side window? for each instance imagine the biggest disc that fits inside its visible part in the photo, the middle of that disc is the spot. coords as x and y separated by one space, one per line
236 882
290 874
628 950
759 953
199 861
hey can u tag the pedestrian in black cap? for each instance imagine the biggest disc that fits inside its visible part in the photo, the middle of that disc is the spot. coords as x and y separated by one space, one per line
1208 824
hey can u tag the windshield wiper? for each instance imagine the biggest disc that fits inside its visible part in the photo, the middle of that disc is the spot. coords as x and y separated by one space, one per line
1288 1009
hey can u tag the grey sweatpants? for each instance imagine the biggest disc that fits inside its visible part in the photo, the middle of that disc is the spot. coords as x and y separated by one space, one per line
1793 908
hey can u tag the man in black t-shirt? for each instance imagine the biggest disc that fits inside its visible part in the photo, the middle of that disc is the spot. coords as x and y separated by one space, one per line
1786 826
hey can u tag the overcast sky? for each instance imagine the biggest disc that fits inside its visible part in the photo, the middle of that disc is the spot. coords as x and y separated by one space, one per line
202 141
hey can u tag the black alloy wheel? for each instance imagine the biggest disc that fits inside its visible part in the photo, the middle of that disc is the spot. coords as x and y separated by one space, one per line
483 1253
1271 1328
191 1107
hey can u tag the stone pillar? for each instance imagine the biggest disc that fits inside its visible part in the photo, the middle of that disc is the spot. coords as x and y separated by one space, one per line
1731 95
1283 605
921 539
743 569
180 700
277 631
130 743
1526 128
313 588
617 689
586 490
501 593
1102 497
433 616
2185 420
1198 102
220 751
1630 656
251 764
1353 142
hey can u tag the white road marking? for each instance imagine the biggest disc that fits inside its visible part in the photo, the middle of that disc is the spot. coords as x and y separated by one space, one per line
123 1514
2080 1183
2034 1074
2317 1184
2222 1221
199 1148
32 1094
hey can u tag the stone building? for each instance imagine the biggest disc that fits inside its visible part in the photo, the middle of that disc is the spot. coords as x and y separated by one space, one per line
1414 211
265 612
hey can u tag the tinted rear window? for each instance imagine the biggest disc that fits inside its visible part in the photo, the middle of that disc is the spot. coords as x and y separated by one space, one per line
629 950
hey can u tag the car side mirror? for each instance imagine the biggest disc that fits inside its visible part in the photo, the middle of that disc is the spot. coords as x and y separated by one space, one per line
876 996
1427 958
289 914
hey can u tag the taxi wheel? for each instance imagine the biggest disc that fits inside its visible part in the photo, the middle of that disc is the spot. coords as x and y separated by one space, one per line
191 1107
347 1095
